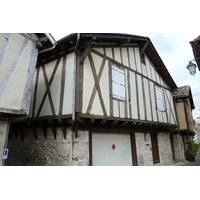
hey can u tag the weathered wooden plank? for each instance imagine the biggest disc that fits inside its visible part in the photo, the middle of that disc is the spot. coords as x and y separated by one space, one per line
33 126
133 149
64 130
62 84
21 128
53 126
85 54
147 100
90 148
141 110
110 89
35 93
129 92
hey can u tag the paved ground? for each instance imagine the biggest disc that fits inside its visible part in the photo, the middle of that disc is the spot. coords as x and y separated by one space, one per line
187 163
196 163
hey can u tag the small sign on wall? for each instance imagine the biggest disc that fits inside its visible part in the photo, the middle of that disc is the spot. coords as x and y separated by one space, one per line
5 154
113 146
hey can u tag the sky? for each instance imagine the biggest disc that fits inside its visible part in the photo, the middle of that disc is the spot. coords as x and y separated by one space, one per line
176 52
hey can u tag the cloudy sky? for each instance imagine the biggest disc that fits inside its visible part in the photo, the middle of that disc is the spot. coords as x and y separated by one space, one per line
175 51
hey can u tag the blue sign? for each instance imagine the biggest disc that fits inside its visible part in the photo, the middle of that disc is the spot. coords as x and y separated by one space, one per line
5 154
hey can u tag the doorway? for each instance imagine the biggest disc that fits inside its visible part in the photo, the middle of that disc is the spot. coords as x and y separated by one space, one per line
155 151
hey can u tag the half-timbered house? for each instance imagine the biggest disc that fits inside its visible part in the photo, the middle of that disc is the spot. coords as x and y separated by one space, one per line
98 99
18 57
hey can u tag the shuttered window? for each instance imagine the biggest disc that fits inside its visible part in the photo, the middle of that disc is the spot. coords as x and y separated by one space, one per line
118 83
159 99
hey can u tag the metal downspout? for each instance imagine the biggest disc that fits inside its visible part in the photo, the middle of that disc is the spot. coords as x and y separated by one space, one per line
73 126
75 83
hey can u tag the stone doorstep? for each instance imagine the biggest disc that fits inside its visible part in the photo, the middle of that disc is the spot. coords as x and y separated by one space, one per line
158 164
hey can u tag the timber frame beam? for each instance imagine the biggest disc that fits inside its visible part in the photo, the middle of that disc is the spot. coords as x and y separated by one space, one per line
18 128
122 125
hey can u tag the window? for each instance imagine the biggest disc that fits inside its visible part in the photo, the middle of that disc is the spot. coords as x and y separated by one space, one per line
159 98
118 83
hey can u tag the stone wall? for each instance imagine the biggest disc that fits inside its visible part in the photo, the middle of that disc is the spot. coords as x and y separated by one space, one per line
177 146
164 147
144 151
81 149
48 152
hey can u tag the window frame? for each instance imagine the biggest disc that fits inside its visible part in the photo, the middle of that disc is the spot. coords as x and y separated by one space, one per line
160 103
118 82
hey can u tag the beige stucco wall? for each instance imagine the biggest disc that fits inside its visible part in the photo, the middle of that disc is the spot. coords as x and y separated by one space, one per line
17 62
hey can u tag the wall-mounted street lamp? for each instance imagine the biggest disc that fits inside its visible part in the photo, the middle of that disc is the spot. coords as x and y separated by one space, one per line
192 67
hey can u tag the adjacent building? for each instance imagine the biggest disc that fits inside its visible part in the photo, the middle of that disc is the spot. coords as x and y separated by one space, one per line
18 57
184 105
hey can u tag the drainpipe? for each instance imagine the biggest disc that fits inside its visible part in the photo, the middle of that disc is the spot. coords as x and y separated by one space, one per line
75 83
53 42
71 147
73 126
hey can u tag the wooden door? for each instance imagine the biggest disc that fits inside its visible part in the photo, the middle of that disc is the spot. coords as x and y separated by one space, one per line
110 149
155 152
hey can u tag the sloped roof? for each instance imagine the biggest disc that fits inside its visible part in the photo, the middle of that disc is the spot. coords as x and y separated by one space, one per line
183 92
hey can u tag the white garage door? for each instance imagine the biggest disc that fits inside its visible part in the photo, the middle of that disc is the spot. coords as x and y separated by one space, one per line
109 149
